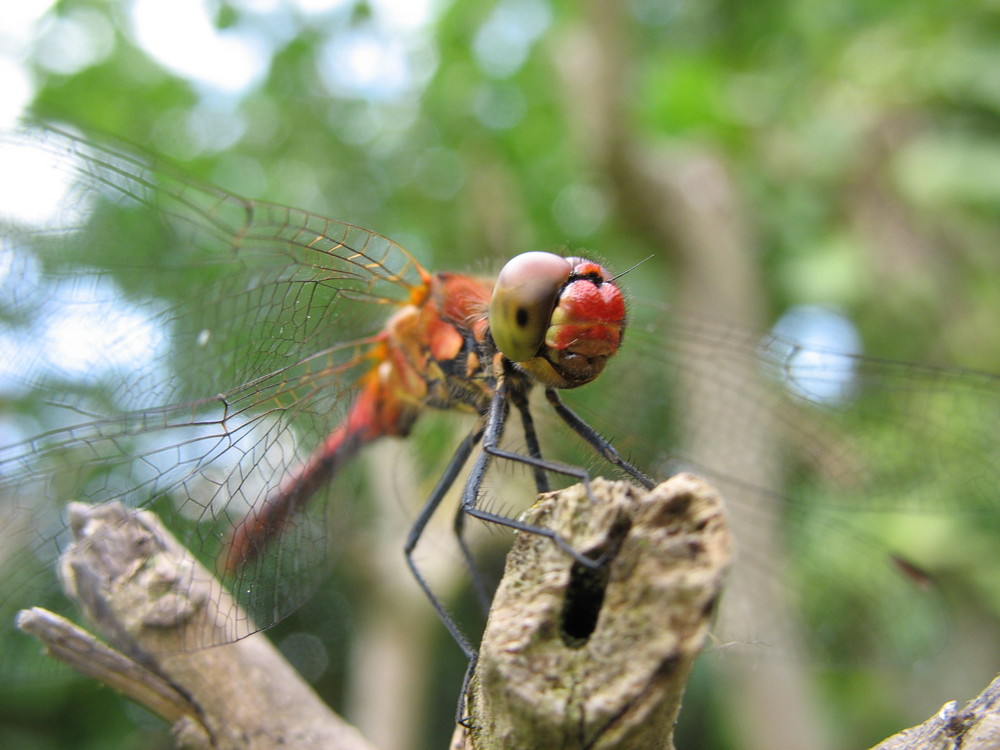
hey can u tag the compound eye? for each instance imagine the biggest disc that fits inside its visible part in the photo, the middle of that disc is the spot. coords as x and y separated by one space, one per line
524 297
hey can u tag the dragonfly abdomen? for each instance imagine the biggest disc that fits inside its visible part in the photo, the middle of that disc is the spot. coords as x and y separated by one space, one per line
427 356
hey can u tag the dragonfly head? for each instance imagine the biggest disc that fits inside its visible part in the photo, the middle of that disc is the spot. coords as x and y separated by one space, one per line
559 319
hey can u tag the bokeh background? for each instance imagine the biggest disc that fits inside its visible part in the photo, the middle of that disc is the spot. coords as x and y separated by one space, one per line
757 157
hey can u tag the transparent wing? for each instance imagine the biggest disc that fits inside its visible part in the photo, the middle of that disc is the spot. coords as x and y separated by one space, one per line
172 346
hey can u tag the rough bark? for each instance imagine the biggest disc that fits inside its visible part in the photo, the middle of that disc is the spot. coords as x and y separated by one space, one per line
579 658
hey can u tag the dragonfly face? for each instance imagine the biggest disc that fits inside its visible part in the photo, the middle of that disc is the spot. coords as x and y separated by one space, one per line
559 319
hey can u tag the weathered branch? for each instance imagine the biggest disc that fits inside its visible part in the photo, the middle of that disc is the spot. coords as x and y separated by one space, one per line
152 600
581 658
74 646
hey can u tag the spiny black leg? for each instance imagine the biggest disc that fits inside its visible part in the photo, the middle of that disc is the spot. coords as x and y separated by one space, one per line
491 436
444 484
495 419
461 717
478 582
531 439
541 484
588 433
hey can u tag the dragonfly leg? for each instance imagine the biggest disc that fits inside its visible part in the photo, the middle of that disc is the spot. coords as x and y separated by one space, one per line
600 444
478 582
531 439
447 479
491 437
445 483
541 483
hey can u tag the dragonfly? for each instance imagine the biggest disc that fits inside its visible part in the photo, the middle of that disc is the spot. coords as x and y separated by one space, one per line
256 348
453 341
